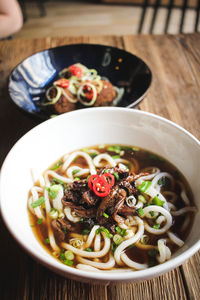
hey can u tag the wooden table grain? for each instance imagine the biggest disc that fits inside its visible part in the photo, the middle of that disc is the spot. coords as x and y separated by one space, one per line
174 94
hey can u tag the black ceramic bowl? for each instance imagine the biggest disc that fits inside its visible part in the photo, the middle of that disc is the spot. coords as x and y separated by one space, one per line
30 79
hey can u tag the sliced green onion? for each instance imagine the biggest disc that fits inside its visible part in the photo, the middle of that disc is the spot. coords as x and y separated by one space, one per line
144 186
117 239
56 98
69 255
62 256
114 148
47 241
121 231
142 199
105 230
53 213
93 154
53 190
116 156
57 165
132 246
113 247
135 149
55 180
151 213
39 221
68 262
156 226
88 249
38 202
88 178
105 215
74 172
116 175
85 231
140 211
106 171
85 150
157 201
76 179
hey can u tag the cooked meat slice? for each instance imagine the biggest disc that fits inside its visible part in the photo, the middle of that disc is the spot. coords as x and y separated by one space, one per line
63 104
126 210
107 94
59 227
74 192
129 185
89 197
81 211
120 202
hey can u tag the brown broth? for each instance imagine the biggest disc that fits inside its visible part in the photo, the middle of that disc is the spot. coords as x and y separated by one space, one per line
145 159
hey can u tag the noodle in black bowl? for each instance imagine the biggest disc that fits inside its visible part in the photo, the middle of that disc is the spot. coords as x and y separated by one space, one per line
128 76
108 195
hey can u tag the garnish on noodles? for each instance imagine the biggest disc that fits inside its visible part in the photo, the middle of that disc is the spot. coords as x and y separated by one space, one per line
111 207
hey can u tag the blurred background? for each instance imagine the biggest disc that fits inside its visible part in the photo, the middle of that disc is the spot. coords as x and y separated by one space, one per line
78 18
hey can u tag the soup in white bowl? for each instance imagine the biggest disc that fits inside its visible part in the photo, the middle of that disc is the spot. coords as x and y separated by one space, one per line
48 142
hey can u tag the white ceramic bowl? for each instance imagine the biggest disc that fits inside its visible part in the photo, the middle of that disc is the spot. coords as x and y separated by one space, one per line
47 142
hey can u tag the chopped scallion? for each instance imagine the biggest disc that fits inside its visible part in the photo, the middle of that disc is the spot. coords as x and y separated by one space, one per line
69 255
117 239
115 156
74 172
38 202
116 175
47 241
140 211
57 165
105 215
157 201
144 186
68 262
142 199
156 226
152 252
88 249
39 221
103 229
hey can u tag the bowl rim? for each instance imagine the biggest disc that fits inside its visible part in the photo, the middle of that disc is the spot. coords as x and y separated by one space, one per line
99 276
40 116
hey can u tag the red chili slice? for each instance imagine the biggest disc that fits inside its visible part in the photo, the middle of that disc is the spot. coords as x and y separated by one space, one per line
110 179
75 70
100 187
64 83
91 179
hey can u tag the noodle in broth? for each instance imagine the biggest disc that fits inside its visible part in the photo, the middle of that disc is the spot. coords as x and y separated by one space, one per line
111 207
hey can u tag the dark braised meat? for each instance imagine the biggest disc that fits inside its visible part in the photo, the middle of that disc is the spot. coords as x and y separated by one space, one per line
88 205
60 227
107 95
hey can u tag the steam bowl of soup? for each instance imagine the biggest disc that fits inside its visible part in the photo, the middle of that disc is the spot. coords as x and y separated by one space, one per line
104 194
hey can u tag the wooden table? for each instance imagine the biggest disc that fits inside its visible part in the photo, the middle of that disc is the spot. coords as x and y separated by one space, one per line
174 94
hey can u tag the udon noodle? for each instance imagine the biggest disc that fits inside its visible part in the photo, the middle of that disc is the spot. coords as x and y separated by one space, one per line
110 208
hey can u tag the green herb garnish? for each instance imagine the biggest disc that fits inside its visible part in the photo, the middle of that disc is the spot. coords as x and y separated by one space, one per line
38 202
157 201
88 249
116 175
74 172
57 165
152 252
68 262
47 241
156 226
115 156
144 186
39 221
140 211
105 215
103 229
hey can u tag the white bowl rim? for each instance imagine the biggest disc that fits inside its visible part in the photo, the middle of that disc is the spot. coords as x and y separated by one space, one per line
101 276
